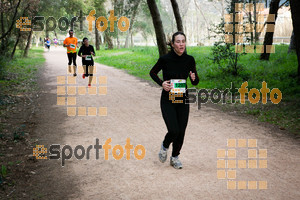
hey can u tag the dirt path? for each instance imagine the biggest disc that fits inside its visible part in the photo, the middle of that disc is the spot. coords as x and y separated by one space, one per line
134 112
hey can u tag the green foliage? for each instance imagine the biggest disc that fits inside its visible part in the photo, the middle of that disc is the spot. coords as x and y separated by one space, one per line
224 55
19 71
279 72
137 61
143 21
3 171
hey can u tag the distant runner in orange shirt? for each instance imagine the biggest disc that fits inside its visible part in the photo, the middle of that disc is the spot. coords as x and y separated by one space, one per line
71 43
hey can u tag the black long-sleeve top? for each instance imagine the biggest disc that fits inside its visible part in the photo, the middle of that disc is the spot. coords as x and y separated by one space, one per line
86 50
174 66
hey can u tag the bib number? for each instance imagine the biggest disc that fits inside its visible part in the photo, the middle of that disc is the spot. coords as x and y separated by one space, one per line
88 57
72 46
179 85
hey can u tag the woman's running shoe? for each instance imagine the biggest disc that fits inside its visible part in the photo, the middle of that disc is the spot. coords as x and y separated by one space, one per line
175 162
162 155
89 85
83 76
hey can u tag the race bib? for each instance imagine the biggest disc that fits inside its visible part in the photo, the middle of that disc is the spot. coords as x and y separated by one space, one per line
72 46
88 57
179 85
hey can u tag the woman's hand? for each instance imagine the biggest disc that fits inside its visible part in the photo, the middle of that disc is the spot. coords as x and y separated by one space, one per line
167 85
192 75
83 56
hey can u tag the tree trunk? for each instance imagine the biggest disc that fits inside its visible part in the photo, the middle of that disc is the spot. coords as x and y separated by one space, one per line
26 50
12 23
135 10
116 9
251 22
97 42
274 6
118 39
2 32
295 7
222 7
132 43
108 40
256 34
158 26
127 40
16 44
266 1
177 15
292 46
101 39
18 36
251 33
55 33
2 24
205 20
36 41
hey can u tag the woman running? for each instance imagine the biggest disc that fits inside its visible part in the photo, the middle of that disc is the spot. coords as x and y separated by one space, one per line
55 41
176 67
87 52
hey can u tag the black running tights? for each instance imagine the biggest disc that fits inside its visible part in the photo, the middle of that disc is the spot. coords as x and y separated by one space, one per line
72 57
176 118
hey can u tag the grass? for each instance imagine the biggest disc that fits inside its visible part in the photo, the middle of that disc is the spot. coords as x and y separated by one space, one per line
18 78
136 61
20 72
279 72
18 81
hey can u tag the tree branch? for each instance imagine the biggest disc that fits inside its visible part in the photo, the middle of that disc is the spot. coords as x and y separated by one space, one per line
13 21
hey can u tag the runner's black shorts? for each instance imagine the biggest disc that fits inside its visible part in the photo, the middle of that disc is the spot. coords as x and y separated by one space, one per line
87 64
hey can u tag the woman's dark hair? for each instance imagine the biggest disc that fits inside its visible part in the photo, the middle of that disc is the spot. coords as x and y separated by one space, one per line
172 40
83 40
